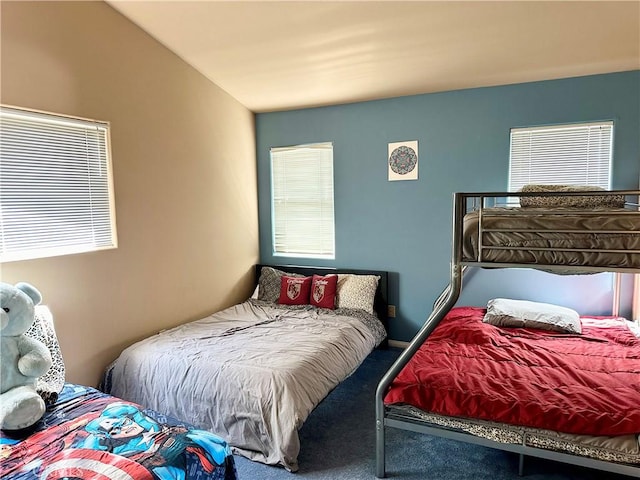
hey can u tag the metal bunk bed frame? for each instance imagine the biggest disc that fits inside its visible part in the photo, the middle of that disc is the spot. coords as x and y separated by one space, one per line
446 302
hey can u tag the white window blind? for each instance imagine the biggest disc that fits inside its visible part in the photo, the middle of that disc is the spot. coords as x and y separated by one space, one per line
302 201
56 194
578 154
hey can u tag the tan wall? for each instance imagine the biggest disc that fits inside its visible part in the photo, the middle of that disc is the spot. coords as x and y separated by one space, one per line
184 174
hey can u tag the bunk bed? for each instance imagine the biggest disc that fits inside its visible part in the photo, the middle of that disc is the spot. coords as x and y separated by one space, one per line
565 231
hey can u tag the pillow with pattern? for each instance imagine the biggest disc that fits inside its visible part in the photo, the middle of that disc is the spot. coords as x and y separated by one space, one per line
579 201
323 291
269 283
294 290
51 383
357 291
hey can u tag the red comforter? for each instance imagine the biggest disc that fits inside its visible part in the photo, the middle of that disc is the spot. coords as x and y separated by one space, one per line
584 384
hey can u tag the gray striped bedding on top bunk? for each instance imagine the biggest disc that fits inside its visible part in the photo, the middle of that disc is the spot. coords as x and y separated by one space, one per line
598 237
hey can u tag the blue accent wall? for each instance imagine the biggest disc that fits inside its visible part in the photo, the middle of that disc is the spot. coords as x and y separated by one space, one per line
463 140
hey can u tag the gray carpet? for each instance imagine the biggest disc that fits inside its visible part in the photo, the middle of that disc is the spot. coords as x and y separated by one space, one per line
338 442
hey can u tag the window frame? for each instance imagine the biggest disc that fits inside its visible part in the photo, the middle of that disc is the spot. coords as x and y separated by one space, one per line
513 186
636 299
323 249
96 215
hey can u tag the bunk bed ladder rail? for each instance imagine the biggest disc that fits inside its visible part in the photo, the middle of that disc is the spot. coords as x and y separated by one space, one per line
445 302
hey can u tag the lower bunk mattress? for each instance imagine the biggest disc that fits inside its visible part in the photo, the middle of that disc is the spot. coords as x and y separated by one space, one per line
87 434
619 449
575 393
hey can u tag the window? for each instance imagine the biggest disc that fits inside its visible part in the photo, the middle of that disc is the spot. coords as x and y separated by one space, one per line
56 194
302 201
578 154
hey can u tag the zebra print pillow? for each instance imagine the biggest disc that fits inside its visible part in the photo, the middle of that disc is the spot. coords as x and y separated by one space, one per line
270 282
51 383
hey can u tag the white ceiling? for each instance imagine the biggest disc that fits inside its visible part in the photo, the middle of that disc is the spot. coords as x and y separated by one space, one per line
273 55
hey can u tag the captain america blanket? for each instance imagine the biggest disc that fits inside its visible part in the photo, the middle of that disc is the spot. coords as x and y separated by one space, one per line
88 434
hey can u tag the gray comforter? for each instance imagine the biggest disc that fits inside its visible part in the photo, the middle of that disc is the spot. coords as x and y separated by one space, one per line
539 236
251 373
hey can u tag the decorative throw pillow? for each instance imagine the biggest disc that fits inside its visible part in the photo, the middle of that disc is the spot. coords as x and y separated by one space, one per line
269 283
357 291
294 290
580 201
504 312
50 384
323 291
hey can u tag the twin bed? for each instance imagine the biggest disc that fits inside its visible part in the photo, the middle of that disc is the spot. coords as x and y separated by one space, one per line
86 434
485 376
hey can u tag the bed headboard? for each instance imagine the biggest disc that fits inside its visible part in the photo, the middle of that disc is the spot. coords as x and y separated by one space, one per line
381 300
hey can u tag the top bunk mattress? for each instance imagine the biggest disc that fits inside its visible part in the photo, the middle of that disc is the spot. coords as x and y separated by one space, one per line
572 237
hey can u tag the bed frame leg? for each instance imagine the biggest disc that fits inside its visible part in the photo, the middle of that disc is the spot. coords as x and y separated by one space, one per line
521 465
380 453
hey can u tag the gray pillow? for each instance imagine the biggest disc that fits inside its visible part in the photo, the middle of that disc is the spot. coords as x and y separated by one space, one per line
580 201
269 283
503 312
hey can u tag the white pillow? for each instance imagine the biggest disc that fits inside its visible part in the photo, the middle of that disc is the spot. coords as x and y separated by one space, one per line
254 295
356 291
504 312
634 327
